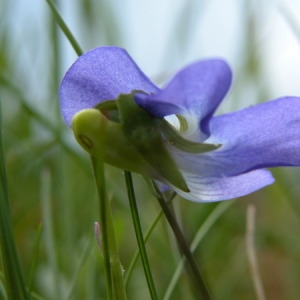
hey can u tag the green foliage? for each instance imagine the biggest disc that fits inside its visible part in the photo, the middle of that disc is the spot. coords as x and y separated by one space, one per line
48 197
140 128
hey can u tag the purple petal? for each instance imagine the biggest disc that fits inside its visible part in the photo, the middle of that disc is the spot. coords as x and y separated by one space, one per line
209 189
196 90
261 136
98 75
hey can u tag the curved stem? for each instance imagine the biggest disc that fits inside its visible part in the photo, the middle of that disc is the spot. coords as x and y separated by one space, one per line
205 227
199 283
139 235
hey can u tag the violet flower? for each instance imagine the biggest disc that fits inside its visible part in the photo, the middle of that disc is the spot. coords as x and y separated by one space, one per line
261 136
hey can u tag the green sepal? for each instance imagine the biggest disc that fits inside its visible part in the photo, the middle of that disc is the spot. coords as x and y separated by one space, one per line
181 143
141 129
134 140
109 109
149 182
89 124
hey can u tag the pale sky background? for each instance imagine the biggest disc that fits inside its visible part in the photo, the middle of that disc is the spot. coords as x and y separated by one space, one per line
150 33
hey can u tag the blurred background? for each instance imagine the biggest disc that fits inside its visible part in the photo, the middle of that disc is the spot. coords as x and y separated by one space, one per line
50 178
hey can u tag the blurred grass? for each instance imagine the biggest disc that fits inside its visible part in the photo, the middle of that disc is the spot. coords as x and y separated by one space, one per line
50 180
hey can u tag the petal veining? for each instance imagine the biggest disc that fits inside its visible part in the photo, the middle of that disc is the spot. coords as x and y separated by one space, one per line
209 189
98 75
196 90
261 136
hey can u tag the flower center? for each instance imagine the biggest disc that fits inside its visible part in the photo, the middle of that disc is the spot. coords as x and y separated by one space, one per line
178 122
171 127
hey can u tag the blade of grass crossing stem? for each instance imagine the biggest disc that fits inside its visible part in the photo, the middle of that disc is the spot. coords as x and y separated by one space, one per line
61 23
13 276
199 283
139 235
146 237
202 231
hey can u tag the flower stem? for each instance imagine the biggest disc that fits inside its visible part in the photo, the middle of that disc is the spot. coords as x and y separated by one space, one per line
146 237
139 234
200 285
205 227
99 177
113 267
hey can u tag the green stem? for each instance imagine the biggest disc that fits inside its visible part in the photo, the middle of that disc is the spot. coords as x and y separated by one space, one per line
146 237
200 285
61 23
205 227
139 235
113 268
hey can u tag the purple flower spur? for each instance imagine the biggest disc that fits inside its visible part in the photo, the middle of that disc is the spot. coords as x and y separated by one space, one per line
170 134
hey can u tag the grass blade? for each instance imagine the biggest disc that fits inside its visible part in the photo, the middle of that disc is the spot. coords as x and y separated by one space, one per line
139 235
146 237
13 275
61 23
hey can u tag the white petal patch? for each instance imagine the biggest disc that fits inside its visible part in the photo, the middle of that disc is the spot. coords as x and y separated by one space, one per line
210 189
173 120
187 125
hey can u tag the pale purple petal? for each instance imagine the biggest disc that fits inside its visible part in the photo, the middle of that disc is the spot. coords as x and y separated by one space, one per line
196 90
98 75
261 136
209 189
